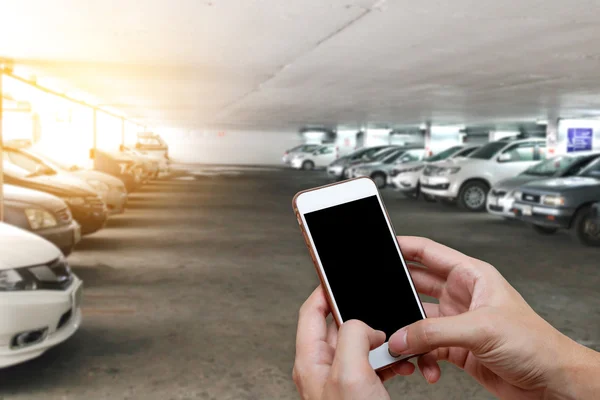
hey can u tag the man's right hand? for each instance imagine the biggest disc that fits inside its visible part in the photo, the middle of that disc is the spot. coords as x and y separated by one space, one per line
485 327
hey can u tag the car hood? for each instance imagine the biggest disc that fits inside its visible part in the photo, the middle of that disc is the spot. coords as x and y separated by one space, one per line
562 184
58 185
461 162
408 165
513 183
33 197
87 174
22 249
371 165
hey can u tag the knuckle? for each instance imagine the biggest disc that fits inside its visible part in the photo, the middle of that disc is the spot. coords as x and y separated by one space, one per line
426 334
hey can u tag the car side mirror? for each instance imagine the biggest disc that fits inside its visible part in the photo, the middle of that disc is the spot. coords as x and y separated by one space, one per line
504 157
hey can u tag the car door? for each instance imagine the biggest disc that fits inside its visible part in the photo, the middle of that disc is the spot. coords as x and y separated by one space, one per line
325 156
516 158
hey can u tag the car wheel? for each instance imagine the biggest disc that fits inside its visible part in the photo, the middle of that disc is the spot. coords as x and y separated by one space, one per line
472 196
379 180
586 227
308 165
543 230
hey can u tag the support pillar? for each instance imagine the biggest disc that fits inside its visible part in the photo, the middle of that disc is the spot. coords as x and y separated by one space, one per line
1 152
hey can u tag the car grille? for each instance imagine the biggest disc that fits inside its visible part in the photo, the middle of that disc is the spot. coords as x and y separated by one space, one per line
531 198
64 216
496 208
499 193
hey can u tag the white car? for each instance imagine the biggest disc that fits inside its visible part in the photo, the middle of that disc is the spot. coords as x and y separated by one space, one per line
303 148
379 170
40 298
405 178
468 180
319 158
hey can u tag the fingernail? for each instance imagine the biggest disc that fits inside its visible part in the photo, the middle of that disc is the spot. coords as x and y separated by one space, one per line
398 342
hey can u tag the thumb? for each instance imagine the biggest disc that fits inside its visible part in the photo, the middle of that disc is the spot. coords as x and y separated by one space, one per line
355 340
470 330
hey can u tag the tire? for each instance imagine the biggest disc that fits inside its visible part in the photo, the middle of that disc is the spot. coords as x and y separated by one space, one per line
379 179
586 227
543 230
308 165
473 195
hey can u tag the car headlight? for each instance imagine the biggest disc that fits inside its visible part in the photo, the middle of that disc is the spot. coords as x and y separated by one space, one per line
11 280
414 169
98 186
448 171
40 219
517 195
553 200
75 201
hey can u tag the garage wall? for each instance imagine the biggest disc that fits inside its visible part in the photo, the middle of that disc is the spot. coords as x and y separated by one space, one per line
229 147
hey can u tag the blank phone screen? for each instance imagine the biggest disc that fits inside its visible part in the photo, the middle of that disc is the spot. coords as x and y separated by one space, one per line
363 266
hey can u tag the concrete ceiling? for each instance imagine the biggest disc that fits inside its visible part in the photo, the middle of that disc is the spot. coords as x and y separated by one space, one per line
273 64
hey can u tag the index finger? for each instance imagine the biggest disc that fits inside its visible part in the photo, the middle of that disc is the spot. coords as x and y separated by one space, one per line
312 323
436 257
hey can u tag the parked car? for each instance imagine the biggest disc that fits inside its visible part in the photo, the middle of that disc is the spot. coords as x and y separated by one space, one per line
562 203
379 170
350 171
43 214
111 190
501 197
337 170
121 166
85 205
468 180
152 144
319 158
303 148
405 177
150 167
40 298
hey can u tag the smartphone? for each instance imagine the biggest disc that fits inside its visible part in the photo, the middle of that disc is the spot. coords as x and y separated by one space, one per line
354 248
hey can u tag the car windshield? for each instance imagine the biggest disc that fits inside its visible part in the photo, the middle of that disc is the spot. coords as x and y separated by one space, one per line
444 154
552 166
368 153
391 158
11 169
592 171
488 151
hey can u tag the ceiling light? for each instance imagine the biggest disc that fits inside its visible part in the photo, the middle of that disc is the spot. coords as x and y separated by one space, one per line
542 122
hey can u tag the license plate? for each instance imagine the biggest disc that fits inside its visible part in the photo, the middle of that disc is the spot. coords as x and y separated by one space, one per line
527 210
78 297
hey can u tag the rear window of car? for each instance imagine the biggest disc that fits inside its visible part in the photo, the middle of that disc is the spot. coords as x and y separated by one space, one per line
488 151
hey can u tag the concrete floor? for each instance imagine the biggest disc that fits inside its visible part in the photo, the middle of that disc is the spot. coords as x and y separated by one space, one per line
193 293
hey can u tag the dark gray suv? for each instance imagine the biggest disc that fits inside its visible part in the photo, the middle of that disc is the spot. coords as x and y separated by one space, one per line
562 203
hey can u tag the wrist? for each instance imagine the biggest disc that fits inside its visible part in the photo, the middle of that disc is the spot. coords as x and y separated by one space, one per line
577 373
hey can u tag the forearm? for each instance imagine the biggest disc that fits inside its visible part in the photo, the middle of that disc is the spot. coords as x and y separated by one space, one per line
578 376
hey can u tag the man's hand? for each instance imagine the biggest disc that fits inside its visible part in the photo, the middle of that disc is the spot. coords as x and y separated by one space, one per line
485 327
335 365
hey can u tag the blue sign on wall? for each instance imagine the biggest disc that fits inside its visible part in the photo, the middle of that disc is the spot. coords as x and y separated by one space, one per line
579 139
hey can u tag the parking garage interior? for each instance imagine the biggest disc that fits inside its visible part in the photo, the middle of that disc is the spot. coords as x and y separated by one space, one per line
190 126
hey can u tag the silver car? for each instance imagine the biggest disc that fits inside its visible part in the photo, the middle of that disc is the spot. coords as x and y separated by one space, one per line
303 148
110 189
379 170
501 198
